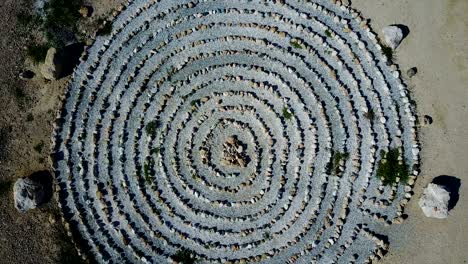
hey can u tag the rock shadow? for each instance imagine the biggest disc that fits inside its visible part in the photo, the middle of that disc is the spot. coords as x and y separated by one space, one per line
451 184
45 178
71 57
403 29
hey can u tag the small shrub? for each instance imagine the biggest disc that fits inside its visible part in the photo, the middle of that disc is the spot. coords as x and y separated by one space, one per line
37 52
333 165
184 256
155 151
296 44
147 171
328 33
5 187
19 94
286 113
389 168
387 52
105 30
25 19
30 117
4 141
194 102
370 115
151 128
61 20
39 147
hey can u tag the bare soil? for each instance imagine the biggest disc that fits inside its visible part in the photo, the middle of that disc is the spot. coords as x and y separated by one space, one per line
438 46
27 112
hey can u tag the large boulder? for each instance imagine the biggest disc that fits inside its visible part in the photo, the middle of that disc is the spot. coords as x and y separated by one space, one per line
28 194
434 201
393 35
53 65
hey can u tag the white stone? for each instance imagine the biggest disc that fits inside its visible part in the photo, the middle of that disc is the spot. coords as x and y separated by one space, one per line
28 194
434 201
393 36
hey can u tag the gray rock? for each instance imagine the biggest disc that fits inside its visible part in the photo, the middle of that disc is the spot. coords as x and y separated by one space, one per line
28 194
393 36
434 201
412 72
427 120
53 65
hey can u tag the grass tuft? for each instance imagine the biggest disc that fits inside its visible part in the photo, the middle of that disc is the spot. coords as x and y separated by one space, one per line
61 20
30 117
296 44
370 115
105 30
25 19
39 147
5 187
334 165
328 33
194 102
151 128
286 113
389 168
37 52
147 171
184 256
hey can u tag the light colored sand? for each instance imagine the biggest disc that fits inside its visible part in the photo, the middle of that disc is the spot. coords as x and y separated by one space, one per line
438 46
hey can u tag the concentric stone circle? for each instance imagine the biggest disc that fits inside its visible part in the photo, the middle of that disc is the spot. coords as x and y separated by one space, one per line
276 87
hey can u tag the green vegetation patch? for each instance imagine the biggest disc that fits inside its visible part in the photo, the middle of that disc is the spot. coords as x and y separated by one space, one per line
390 168
30 117
39 147
151 128
26 19
105 29
286 113
370 115
388 52
194 102
296 44
328 33
148 170
5 187
334 165
62 17
184 256
37 52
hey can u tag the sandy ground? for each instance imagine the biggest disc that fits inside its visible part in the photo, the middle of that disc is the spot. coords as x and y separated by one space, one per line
438 46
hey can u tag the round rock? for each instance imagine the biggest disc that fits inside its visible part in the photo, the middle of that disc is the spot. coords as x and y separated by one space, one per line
412 72
393 36
434 201
28 194
427 120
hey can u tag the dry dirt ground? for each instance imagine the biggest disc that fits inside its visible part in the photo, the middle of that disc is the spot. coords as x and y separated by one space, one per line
437 45
27 112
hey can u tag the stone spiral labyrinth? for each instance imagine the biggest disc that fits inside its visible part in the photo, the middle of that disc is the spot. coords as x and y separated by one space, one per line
209 127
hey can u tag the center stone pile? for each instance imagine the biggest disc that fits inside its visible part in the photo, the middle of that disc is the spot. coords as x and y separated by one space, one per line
290 82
